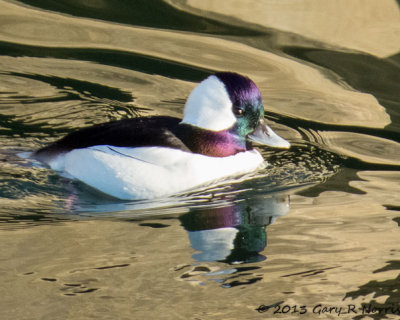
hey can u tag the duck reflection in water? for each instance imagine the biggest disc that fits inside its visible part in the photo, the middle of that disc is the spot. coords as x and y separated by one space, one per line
234 233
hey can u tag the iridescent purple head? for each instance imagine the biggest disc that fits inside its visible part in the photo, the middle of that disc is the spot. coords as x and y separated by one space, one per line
240 89
231 106
247 104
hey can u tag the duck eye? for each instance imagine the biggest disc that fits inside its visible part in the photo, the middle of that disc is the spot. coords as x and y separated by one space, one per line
238 111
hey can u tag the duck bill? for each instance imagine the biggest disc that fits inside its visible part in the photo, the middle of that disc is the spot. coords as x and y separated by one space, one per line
264 135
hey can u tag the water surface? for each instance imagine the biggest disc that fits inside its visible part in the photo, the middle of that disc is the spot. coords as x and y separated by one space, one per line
318 226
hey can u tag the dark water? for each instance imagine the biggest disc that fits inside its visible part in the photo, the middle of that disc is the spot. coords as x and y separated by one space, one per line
318 226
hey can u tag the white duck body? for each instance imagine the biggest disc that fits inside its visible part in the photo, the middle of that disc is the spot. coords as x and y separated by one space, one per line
151 172
151 157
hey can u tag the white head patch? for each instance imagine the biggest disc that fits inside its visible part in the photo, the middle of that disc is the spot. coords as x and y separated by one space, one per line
209 106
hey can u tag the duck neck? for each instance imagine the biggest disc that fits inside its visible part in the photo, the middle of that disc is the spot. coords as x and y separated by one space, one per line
212 143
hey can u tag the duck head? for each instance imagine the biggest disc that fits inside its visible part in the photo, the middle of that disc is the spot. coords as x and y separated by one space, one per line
231 105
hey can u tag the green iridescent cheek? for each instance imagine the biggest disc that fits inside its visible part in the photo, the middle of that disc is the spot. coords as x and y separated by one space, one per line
246 123
242 127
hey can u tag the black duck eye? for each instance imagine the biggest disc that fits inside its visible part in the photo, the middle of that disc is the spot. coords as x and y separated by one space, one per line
238 112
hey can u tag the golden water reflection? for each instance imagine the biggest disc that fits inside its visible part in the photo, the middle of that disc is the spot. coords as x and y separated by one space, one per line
364 25
290 78
68 252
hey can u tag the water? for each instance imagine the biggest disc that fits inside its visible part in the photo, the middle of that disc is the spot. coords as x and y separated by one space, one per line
314 232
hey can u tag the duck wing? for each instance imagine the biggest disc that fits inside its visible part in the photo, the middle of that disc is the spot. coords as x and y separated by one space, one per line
138 132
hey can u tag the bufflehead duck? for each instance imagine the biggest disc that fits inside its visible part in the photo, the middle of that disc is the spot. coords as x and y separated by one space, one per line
150 157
